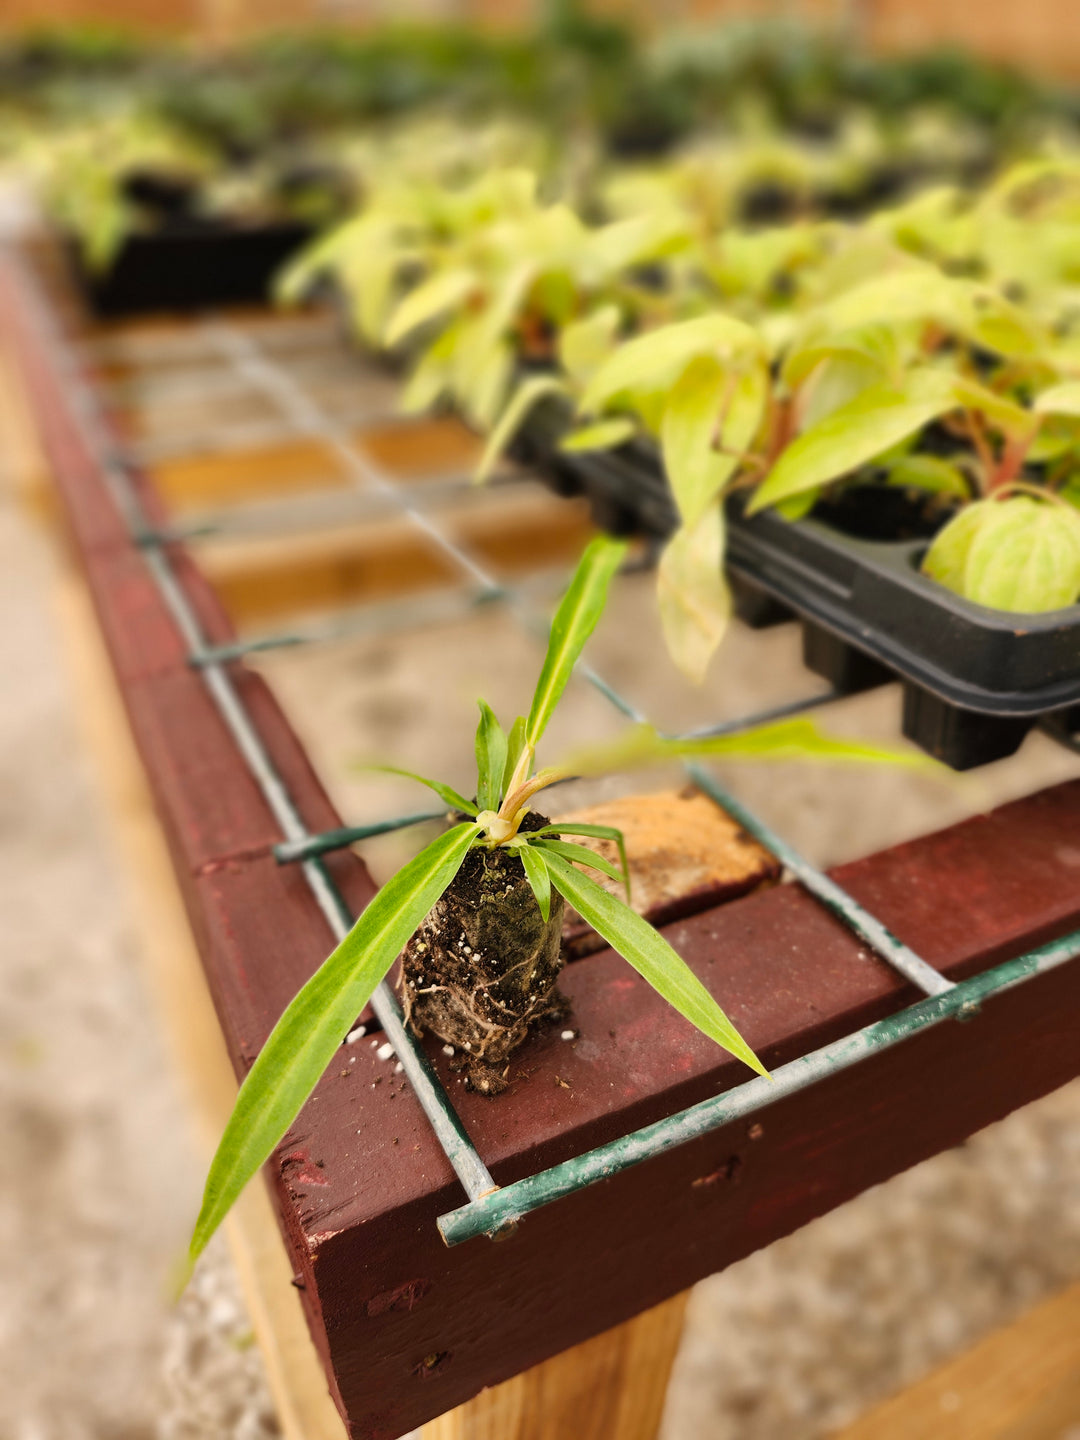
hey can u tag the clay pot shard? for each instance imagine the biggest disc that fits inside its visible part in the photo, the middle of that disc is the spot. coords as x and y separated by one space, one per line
481 970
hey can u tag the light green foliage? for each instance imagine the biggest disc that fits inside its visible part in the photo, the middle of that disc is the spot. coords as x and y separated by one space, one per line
574 622
603 435
429 301
693 596
528 393
1061 399
580 854
653 362
596 832
515 745
798 739
786 359
858 432
1018 554
538 875
446 793
929 472
650 955
491 751
696 470
585 344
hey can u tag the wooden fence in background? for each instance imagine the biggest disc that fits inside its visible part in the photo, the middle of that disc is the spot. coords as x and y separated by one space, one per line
1043 35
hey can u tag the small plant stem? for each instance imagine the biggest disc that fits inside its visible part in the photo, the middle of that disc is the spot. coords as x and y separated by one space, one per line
977 433
1024 487
516 805
1012 461
780 427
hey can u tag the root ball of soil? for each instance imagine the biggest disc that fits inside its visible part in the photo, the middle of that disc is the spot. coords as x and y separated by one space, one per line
480 971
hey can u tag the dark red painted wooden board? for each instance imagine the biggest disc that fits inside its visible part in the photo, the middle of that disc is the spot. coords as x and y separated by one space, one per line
410 1329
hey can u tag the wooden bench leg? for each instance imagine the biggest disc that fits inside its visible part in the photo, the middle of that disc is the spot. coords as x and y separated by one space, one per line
1020 1383
610 1388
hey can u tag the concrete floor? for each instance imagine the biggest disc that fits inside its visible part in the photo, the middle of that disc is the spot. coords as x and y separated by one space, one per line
101 1179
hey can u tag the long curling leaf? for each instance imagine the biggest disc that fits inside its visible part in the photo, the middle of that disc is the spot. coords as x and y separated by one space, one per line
303 1041
650 955
798 739
575 620
490 758
444 792
536 872
580 854
595 832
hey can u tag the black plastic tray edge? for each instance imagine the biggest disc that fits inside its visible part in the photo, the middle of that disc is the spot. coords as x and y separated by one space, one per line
142 278
760 550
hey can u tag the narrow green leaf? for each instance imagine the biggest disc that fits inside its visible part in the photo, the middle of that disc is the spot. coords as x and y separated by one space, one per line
490 758
444 792
1059 399
796 506
604 435
575 620
536 872
654 361
580 854
433 297
695 469
526 395
651 956
596 832
585 344
1002 412
929 472
694 599
798 739
858 432
302 1043
515 744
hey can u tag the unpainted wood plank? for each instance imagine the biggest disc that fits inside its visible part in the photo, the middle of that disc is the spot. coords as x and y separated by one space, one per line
510 533
412 450
611 1387
1020 1383
417 448
209 481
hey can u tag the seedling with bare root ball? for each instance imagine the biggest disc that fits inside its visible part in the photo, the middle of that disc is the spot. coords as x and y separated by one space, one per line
477 915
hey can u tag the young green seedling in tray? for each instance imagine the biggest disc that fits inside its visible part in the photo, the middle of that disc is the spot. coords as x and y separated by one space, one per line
476 915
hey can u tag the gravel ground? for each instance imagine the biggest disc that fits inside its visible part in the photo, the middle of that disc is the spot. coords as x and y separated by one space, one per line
101 1176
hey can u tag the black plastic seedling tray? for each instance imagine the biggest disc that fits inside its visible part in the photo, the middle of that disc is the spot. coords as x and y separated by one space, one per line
975 680
190 265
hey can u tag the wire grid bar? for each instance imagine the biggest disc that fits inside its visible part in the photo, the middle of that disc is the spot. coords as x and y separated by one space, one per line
363 620
486 1212
496 1213
309 512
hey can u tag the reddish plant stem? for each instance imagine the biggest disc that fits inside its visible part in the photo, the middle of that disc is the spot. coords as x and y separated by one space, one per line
1012 461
